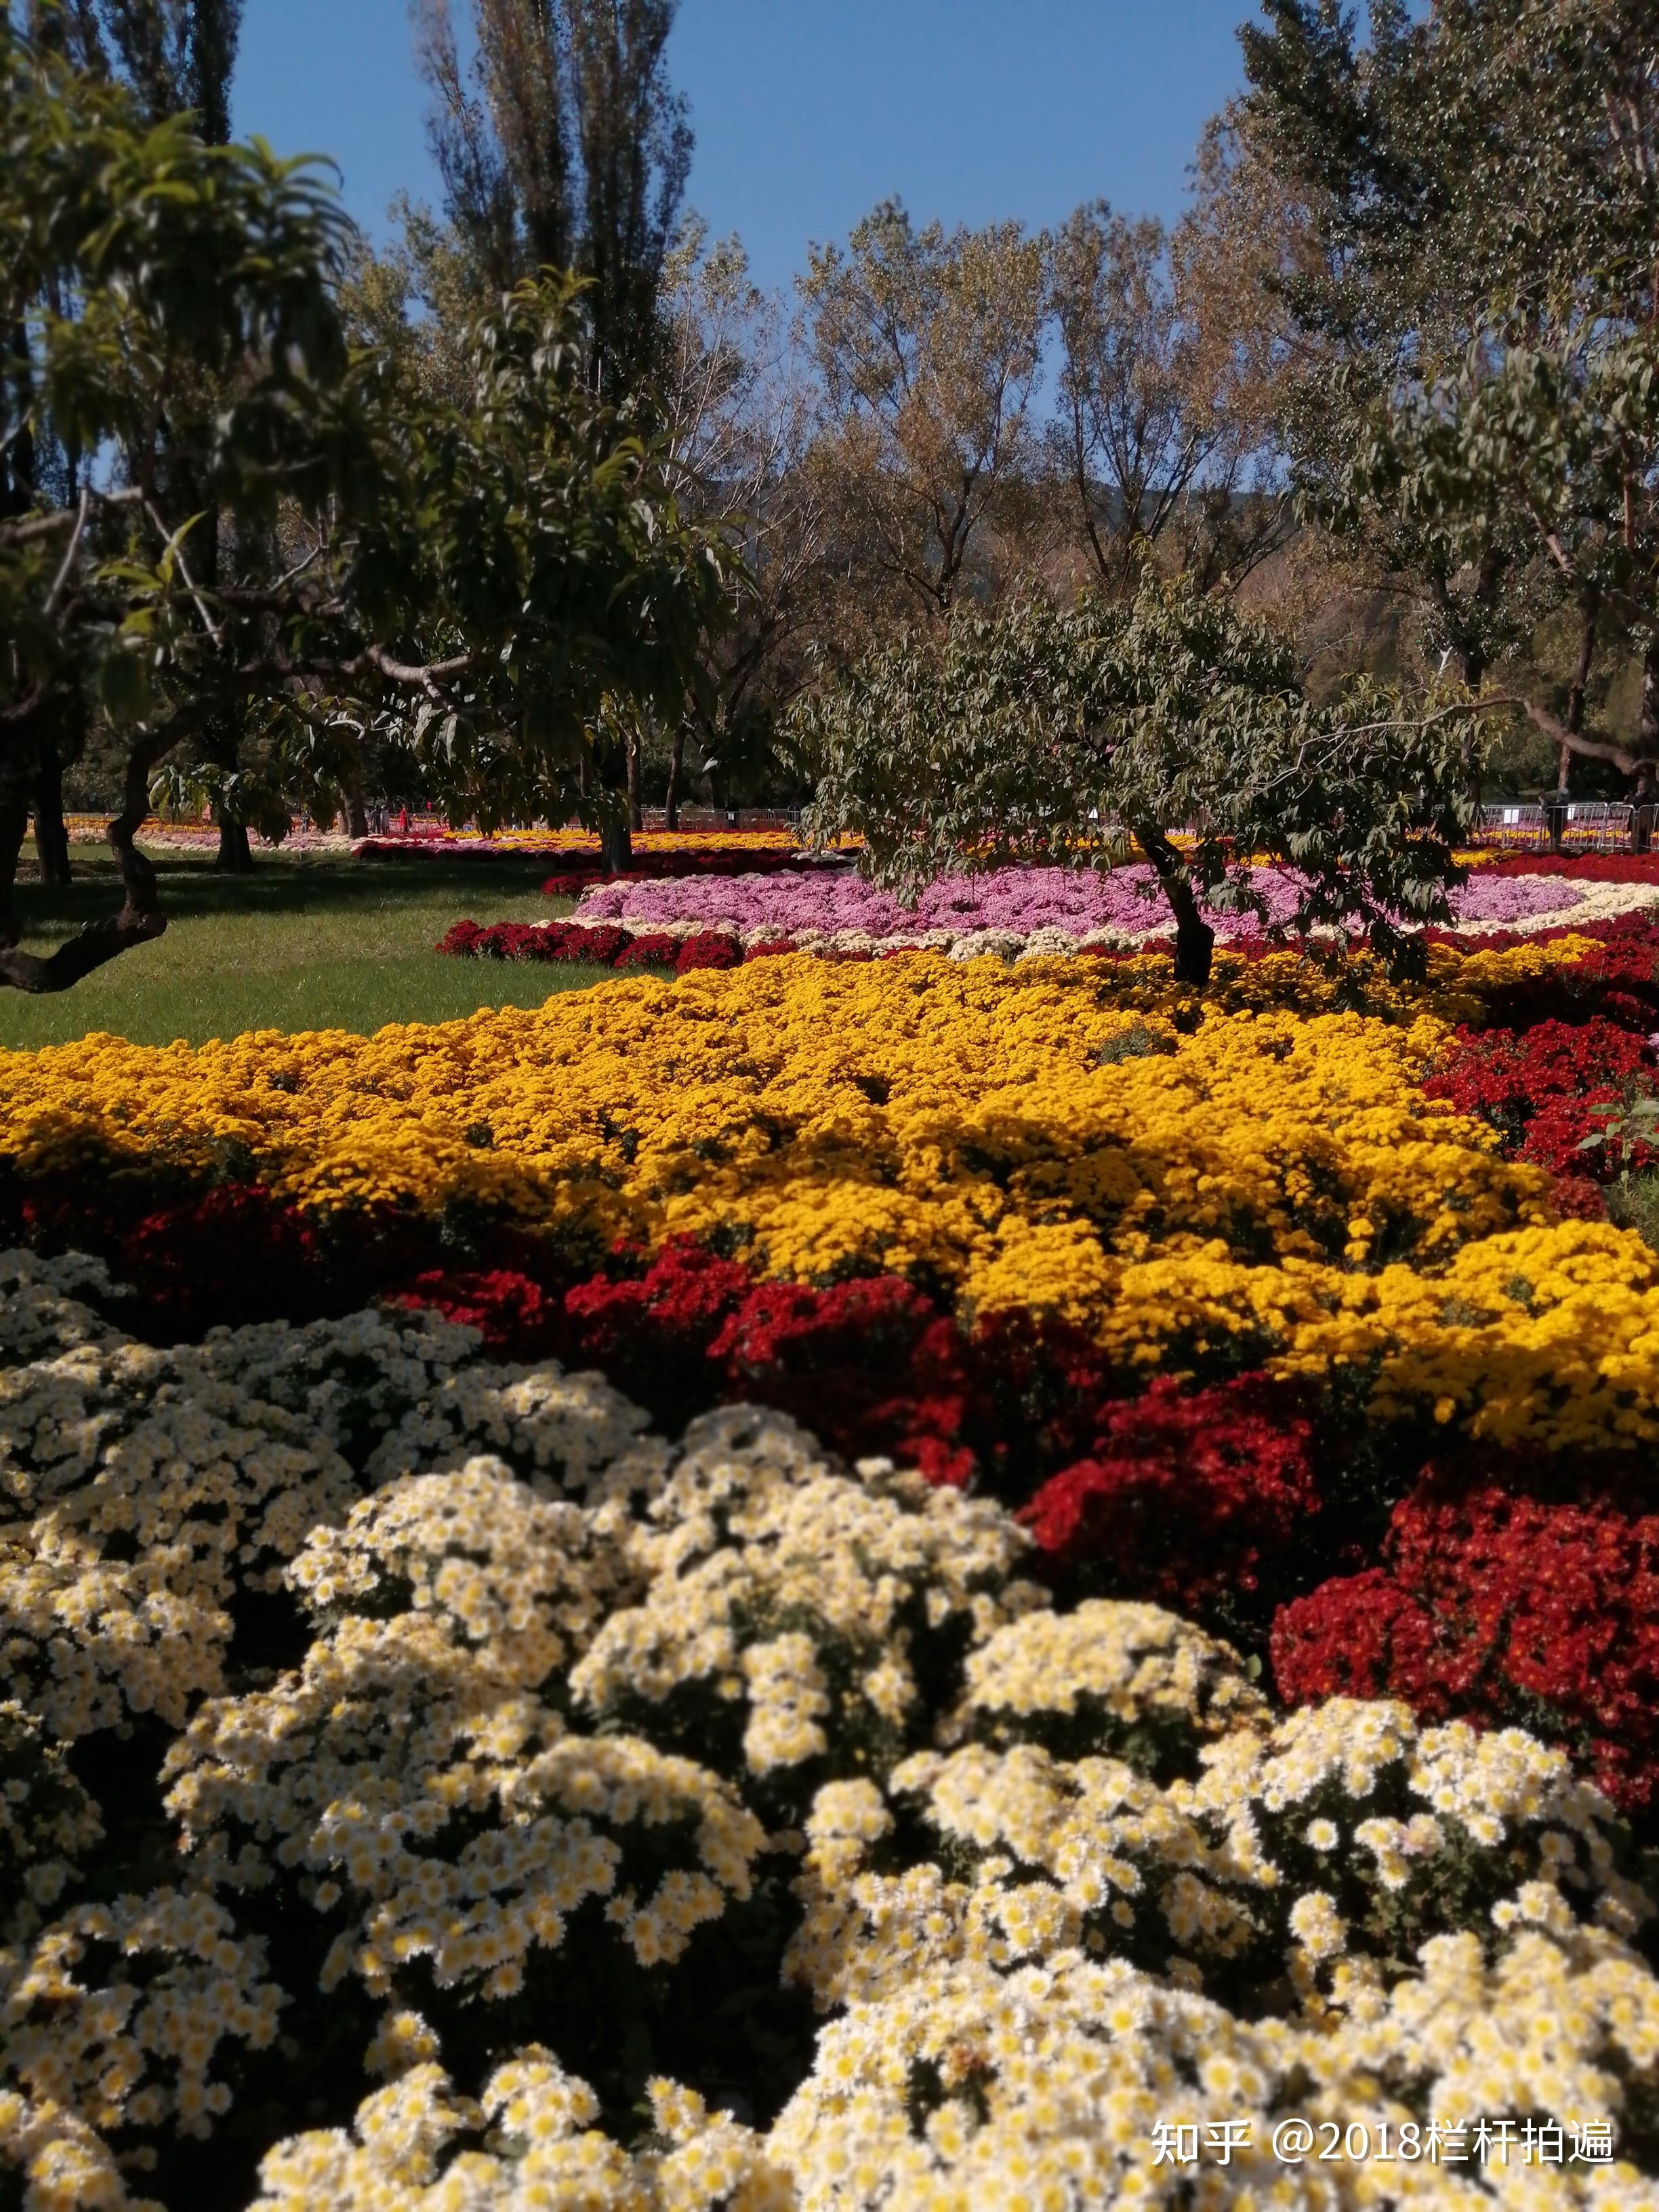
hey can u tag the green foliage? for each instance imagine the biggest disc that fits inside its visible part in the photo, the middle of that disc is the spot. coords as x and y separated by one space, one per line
563 144
1038 734
142 268
1478 190
279 539
535 522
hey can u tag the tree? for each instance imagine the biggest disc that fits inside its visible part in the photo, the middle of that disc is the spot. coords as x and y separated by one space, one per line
1504 432
566 147
1157 427
739 408
176 57
929 347
1048 734
485 578
1563 442
1381 273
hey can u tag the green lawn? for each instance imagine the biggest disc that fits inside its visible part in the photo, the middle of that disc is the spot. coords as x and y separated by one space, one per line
315 941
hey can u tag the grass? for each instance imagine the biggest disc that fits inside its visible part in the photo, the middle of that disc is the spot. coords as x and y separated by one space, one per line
314 941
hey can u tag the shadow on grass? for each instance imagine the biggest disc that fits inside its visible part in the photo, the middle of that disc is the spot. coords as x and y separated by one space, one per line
312 941
306 883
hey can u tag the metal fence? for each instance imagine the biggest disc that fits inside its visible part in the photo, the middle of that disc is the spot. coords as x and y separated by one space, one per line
1587 825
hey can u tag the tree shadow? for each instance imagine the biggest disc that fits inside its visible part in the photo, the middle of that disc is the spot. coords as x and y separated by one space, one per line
322 883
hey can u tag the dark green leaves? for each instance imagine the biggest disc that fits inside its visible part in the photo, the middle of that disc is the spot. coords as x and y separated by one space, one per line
1059 736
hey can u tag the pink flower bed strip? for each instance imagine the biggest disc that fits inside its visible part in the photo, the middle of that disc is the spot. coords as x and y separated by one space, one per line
1124 905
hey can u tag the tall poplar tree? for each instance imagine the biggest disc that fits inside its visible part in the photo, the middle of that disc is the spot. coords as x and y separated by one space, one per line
176 55
565 145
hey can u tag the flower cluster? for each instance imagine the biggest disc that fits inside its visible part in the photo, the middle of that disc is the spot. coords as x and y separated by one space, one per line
580 848
529 2141
979 1559
1187 1499
1494 1600
758 855
1577 868
1082 906
1558 1093
1262 1189
536 1772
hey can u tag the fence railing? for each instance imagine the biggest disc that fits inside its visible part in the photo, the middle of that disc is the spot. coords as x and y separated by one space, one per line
1586 825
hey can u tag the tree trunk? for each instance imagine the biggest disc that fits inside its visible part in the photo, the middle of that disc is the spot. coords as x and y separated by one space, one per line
1195 938
50 831
235 856
616 846
140 920
14 821
1575 723
632 749
1647 750
676 769
356 813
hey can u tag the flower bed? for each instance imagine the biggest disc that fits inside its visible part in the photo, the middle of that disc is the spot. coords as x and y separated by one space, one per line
580 850
1052 909
1576 867
583 939
587 869
430 1785
839 1583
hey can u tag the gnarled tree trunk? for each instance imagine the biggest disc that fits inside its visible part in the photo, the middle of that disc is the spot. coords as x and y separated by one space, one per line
13 822
1194 952
140 920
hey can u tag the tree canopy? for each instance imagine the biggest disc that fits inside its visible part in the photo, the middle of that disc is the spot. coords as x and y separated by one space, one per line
1478 188
1172 723
483 577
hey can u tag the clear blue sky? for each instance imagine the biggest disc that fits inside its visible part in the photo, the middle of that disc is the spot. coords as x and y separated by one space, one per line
807 112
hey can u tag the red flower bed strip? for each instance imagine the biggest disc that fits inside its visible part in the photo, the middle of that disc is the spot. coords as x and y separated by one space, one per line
1556 1092
602 945
1581 867
1506 1606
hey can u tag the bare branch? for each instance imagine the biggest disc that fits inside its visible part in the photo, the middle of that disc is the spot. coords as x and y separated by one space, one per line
428 677
70 552
176 540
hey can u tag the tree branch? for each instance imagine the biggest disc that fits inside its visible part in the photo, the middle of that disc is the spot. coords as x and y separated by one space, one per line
70 552
141 919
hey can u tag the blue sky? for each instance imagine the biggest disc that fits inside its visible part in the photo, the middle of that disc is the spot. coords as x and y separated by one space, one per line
807 112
